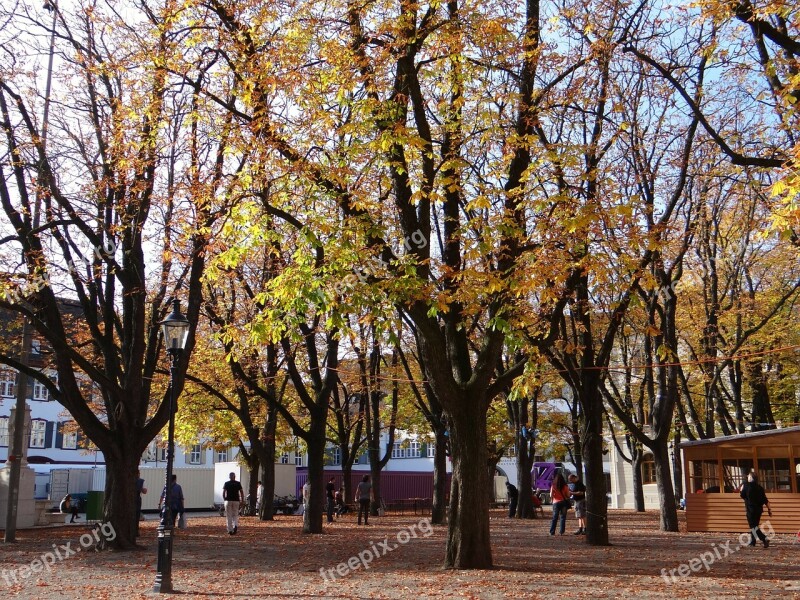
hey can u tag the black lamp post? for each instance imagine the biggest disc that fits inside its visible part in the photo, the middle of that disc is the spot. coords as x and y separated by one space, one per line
175 328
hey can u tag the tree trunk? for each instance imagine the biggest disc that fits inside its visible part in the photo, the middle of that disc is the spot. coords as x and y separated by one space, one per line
519 411
677 468
266 513
524 480
491 471
468 543
577 457
347 475
761 417
375 477
596 500
252 469
312 516
666 496
439 509
638 489
119 506
268 464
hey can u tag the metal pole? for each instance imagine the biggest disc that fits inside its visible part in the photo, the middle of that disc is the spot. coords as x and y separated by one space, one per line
163 583
17 451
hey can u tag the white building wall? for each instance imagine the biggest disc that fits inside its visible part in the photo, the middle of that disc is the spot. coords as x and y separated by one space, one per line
622 493
285 478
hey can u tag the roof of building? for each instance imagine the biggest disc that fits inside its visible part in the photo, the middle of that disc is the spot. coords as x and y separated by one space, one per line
742 436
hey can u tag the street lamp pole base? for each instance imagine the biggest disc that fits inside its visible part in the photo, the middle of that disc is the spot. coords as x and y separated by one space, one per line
163 583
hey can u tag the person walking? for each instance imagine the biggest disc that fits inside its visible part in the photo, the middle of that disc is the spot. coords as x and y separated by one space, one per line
140 489
176 499
559 496
232 494
330 496
579 496
755 499
362 497
513 496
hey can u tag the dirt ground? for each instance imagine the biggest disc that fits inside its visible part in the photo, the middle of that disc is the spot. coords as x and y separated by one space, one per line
404 557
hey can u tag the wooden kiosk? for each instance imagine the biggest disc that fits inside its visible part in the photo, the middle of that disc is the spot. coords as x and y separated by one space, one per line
715 470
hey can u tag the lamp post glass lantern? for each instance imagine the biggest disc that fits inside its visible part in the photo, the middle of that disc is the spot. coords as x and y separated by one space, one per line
175 329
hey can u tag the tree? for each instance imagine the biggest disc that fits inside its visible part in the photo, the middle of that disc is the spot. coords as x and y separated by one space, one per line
763 133
348 414
372 389
234 397
126 183
739 286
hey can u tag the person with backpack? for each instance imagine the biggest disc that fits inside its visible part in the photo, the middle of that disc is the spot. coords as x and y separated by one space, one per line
175 499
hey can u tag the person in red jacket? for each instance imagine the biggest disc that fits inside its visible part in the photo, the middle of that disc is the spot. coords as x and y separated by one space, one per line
559 496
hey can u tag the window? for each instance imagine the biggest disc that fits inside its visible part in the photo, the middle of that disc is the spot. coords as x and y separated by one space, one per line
162 455
398 451
70 440
222 455
648 470
7 387
773 474
150 452
67 435
734 472
38 433
704 475
431 450
414 450
298 460
195 455
39 391
336 455
4 431
285 458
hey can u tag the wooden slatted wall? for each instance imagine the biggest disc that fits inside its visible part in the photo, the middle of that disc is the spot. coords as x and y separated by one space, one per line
725 512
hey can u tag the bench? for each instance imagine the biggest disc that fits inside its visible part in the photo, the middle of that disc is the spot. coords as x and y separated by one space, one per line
48 518
47 514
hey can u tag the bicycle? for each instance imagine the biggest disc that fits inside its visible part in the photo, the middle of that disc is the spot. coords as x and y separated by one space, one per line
244 508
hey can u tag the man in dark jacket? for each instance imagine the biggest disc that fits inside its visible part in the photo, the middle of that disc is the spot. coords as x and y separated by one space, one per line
513 495
754 501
